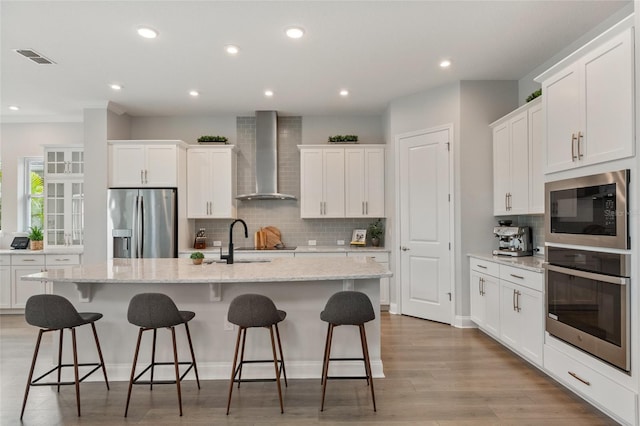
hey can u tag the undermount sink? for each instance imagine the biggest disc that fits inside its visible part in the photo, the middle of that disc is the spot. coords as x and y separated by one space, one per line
273 249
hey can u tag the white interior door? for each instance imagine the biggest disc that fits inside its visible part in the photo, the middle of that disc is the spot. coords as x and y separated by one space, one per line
425 255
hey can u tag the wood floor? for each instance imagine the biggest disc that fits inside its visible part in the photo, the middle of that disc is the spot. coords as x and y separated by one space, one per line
435 375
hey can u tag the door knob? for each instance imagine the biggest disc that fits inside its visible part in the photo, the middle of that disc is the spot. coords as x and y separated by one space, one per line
403 248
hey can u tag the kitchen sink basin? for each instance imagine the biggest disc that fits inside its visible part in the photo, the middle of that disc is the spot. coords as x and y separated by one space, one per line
237 261
274 249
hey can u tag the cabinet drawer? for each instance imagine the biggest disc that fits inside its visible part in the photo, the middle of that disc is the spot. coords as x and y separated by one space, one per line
27 259
378 257
485 267
5 260
63 259
523 277
609 396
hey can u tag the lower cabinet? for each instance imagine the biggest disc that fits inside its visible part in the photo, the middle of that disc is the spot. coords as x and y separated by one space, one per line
14 291
383 259
507 303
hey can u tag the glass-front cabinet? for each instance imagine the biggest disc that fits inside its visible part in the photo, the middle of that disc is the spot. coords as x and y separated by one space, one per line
64 212
64 161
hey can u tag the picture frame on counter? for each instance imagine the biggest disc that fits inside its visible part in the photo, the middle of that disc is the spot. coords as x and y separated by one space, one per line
359 237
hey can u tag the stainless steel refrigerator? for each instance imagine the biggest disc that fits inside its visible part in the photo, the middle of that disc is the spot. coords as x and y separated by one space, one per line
142 223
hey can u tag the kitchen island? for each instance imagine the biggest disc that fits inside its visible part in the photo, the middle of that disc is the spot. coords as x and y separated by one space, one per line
300 287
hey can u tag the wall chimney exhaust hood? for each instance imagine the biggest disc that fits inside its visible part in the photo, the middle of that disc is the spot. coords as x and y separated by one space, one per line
266 159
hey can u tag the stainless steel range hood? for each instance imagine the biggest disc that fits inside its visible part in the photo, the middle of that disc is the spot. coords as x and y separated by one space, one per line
266 159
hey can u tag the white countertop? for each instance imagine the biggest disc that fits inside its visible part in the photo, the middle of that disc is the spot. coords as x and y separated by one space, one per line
45 251
531 263
184 271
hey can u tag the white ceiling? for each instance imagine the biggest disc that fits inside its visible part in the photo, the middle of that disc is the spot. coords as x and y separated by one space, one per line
378 50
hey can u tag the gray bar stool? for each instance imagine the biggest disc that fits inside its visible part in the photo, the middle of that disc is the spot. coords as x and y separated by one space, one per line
55 313
347 308
254 310
151 311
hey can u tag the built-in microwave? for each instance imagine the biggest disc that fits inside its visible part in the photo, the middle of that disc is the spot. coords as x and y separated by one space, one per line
588 210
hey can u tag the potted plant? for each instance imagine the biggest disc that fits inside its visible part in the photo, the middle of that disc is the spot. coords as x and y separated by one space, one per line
197 257
209 139
36 236
343 139
376 231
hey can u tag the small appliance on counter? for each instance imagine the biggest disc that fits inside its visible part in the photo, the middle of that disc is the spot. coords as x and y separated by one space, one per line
200 243
20 243
513 240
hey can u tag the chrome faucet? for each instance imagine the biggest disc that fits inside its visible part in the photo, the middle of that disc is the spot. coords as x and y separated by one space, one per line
229 256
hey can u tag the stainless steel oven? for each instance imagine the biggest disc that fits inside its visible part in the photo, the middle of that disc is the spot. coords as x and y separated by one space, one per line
588 302
589 210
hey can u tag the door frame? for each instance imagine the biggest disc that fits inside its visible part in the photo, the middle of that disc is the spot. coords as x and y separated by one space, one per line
396 220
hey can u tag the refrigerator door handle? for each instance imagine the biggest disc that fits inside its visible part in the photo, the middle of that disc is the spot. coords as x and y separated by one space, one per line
141 227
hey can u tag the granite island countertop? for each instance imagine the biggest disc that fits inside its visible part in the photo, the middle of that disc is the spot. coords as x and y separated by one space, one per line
531 263
184 271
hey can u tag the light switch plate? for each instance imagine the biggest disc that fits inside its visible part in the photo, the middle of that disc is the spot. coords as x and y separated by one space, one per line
312 242
217 243
340 242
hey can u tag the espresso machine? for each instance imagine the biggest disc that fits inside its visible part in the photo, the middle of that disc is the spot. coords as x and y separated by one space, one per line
513 240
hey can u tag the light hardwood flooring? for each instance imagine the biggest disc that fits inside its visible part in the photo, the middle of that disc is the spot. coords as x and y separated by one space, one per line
435 375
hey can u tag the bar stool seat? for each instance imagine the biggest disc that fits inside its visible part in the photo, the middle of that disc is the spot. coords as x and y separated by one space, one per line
51 312
347 308
255 310
151 311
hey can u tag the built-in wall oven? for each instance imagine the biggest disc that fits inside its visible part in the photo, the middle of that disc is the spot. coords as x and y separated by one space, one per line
588 210
588 301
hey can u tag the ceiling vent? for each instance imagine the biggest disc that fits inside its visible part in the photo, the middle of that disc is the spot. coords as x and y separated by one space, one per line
34 56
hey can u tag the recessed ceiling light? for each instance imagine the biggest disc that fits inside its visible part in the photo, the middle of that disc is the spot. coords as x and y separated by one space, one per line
14 107
294 32
231 49
344 92
268 93
445 63
147 32
194 93
115 86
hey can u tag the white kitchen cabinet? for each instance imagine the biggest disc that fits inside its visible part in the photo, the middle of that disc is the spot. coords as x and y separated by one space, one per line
536 160
63 161
364 182
211 182
25 264
589 104
137 164
64 213
507 303
485 296
516 177
322 182
5 281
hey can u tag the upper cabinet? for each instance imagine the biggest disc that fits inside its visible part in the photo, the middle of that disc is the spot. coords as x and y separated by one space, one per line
518 184
145 163
364 182
211 184
63 161
589 103
339 182
321 182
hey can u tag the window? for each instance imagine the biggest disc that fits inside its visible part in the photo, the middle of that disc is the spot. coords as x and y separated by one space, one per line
34 191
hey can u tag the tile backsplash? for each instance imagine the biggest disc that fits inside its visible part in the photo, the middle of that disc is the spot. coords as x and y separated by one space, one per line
284 214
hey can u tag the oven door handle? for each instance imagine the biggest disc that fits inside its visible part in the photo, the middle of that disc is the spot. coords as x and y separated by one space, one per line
588 275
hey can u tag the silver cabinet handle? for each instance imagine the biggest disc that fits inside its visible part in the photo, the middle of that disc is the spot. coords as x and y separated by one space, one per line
573 150
506 202
363 207
580 135
517 276
145 177
575 376
321 208
518 301
481 266
141 176
324 204
28 260
514 300
366 205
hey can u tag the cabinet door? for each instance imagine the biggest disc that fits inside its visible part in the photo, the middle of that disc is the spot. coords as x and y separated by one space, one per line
311 183
609 101
536 166
355 182
531 324
509 316
5 286
562 99
333 191
519 164
64 161
22 290
374 182
64 213
199 183
127 165
477 299
222 196
501 168
491 288
161 166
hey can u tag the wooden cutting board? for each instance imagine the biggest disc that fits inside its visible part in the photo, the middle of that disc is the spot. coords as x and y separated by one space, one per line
272 236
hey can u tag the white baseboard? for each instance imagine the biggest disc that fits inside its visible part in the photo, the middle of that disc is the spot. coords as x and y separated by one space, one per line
464 322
